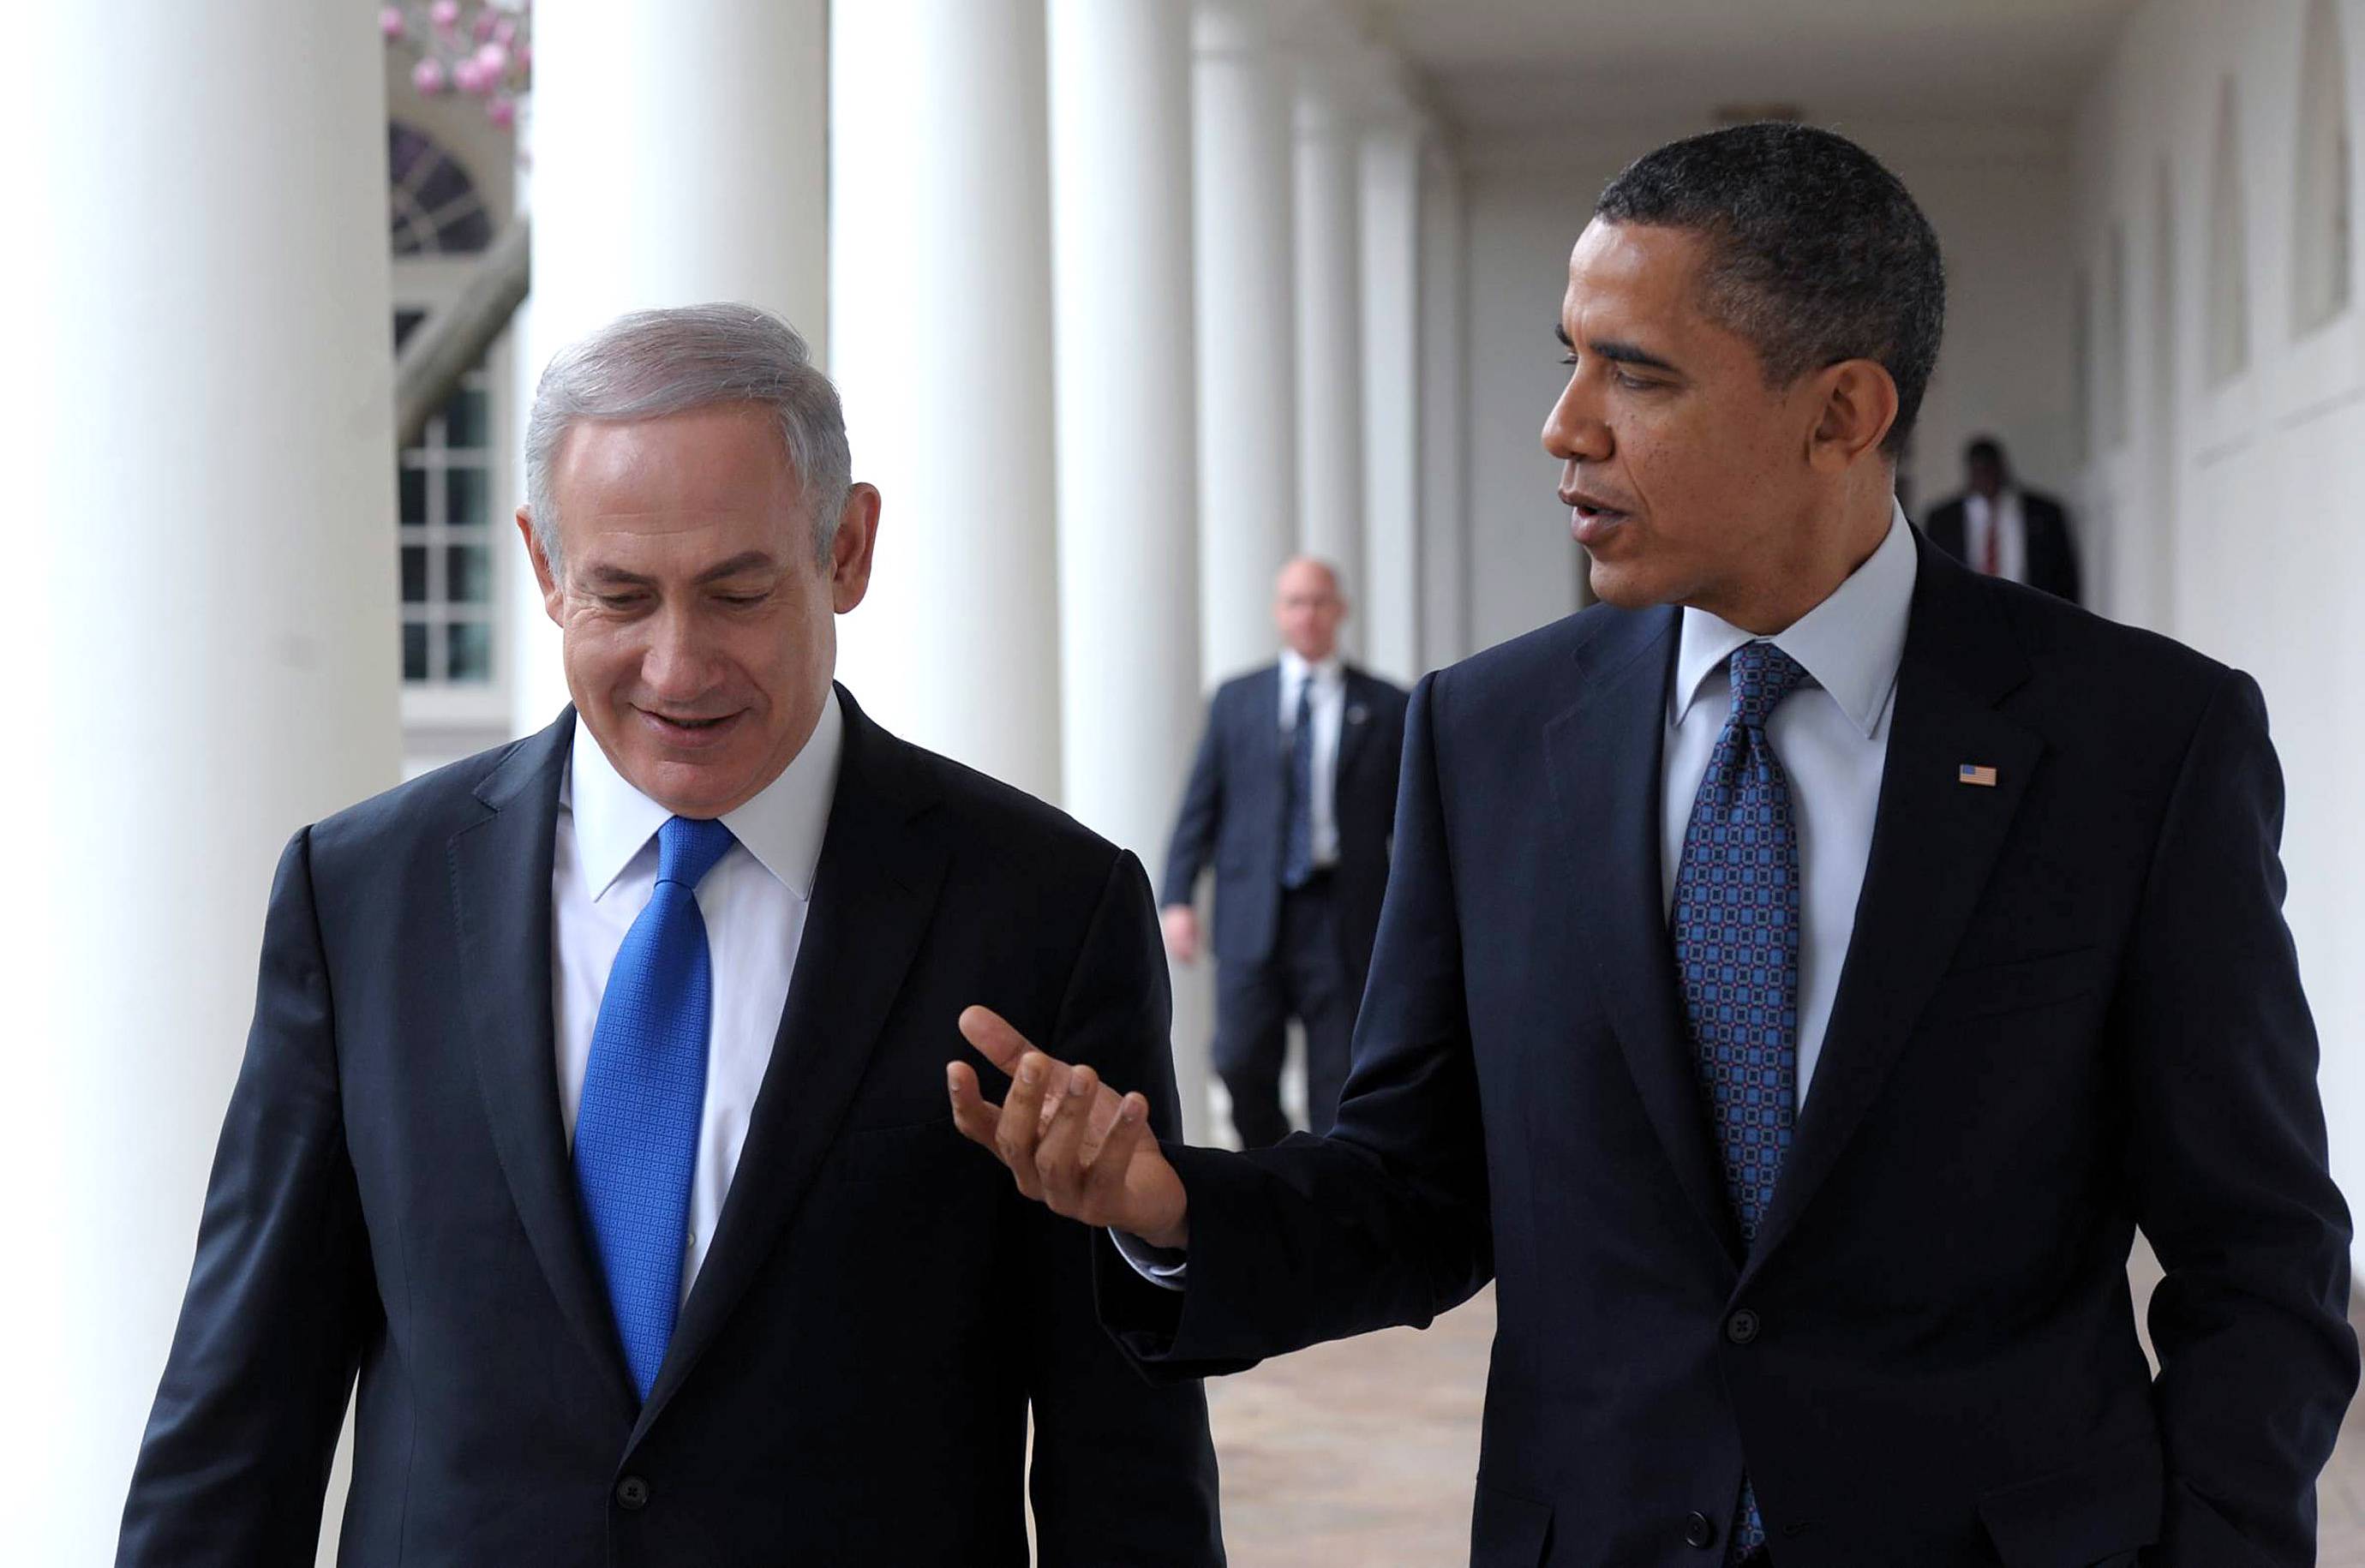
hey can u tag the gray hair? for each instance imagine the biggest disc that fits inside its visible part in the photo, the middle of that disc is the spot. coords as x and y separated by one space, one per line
650 363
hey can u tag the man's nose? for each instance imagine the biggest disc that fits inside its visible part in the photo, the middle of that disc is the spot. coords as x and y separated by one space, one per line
678 664
1574 430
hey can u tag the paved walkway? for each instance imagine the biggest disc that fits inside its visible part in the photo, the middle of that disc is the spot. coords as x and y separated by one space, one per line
1361 1454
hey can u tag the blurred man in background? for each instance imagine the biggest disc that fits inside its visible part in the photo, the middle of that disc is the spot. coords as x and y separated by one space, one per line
1291 799
2003 530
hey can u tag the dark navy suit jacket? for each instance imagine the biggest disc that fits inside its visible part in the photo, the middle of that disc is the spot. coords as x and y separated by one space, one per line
852 1371
2071 1007
1233 808
2051 559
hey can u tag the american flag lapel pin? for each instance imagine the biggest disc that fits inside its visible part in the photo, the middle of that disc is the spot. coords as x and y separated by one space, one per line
1972 773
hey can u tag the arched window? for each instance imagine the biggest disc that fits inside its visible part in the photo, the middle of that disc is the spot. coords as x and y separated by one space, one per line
2229 252
2322 217
432 206
450 487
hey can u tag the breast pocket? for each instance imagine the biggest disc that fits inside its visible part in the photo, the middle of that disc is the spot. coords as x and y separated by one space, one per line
2016 985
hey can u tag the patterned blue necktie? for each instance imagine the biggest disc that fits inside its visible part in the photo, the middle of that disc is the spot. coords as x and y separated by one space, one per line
1736 936
643 1091
1298 840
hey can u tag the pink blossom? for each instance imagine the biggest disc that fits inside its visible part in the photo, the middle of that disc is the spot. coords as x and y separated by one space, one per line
502 112
484 28
493 59
445 14
469 77
505 31
389 21
428 77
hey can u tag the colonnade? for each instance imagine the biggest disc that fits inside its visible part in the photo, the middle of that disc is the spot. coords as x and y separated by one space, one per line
1127 299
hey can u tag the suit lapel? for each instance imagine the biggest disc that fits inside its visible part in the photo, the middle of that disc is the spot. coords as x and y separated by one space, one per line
1934 842
500 901
1604 757
874 891
1354 723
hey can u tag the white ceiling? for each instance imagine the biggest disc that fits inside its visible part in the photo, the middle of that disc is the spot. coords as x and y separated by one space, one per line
1509 68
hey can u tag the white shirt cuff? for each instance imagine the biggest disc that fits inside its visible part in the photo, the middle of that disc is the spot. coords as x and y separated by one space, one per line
1165 1267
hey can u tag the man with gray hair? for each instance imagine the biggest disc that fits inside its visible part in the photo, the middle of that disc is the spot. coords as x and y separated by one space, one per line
592 1110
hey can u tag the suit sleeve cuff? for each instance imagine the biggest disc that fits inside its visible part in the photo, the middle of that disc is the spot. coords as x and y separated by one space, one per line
1166 1267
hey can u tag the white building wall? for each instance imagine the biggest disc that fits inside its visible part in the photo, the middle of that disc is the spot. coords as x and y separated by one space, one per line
2236 503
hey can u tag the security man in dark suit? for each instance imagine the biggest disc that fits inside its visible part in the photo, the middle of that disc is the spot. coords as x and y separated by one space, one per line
2003 530
1291 798
592 1114
1802 973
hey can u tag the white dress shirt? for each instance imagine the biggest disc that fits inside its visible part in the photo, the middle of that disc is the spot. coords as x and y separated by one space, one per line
1329 715
754 902
1832 738
1982 517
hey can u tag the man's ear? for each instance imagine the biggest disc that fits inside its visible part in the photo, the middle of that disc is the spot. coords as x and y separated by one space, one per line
850 549
551 598
1856 403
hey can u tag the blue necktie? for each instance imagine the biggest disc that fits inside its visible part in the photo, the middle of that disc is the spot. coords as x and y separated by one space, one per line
644 1090
1736 937
1297 839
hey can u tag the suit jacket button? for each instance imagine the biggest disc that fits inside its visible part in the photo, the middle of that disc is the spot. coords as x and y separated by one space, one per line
632 1493
1700 1530
1742 1327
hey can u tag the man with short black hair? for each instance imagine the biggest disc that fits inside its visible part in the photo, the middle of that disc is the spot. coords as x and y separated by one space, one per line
1800 975
2004 529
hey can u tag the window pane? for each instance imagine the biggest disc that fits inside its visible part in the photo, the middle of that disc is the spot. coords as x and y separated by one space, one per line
405 321
464 497
464 418
468 574
414 574
414 496
414 651
470 650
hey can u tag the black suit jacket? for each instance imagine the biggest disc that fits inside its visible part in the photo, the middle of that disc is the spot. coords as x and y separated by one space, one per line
2070 1007
1233 812
2052 557
852 1373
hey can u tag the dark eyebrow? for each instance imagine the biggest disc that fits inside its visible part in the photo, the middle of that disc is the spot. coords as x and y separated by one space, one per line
1617 352
1628 353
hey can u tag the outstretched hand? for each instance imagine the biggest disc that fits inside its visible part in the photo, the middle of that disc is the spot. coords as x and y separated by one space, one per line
1070 1141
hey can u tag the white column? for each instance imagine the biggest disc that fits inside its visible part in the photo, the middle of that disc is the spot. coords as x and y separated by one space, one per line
1244 194
205 517
1330 337
679 156
1444 418
940 335
1120 78
1392 391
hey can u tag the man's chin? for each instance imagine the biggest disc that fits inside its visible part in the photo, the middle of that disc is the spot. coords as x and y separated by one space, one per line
1622 584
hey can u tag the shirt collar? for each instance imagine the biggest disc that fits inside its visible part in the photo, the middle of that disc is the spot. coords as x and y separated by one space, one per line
1851 643
1293 668
781 827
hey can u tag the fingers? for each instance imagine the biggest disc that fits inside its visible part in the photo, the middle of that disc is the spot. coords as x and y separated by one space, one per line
972 1113
993 1037
1020 1127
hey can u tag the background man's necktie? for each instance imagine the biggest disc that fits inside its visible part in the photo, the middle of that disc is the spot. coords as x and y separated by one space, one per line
1297 839
644 1090
1736 937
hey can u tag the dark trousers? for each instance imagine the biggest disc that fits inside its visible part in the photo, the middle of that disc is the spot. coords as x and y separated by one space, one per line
1306 977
